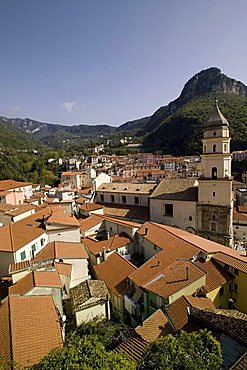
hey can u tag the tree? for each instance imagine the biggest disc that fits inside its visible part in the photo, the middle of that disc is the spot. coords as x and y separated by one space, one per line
86 353
109 332
186 351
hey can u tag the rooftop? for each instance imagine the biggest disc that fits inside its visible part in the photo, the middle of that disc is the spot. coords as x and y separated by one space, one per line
88 292
57 250
111 244
114 272
177 189
126 188
154 327
29 328
12 184
48 279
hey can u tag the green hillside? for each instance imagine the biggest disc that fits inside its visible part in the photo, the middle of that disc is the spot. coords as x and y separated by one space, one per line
181 132
13 138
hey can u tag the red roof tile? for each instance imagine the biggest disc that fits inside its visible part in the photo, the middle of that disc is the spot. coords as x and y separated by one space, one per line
31 329
113 243
114 272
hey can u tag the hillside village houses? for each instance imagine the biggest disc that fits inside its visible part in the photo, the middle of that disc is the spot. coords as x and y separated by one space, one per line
158 250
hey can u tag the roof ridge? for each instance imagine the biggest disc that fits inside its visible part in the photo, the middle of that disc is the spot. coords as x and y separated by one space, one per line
178 236
10 328
129 262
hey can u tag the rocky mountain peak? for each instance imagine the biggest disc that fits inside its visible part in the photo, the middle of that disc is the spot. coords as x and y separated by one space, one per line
211 80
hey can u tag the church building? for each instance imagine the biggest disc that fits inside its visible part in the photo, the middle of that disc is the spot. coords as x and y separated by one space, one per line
215 196
203 207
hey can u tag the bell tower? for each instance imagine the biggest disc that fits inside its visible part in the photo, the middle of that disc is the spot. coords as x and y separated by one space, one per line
215 198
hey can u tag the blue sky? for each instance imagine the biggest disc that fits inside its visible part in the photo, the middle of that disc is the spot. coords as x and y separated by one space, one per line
110 61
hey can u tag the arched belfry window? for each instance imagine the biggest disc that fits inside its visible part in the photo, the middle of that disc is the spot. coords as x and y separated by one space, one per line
214 134
214 148
214 173
225 147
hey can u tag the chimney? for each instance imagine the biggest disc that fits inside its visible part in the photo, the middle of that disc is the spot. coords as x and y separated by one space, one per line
187 273
145 231
107 235
104 254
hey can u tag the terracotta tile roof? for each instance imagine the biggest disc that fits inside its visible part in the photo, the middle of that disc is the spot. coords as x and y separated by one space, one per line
6 207
199 302
177 189
242 209
90 207
238 216
72 173
88 292
130 212
161 235
164 239
20 266
114 272
12 184
154 327
81 200
66 250
5 334
63 268
122 222
90 222
35 279
18 210
20 233
216 276
231 322
177 312
174 278
134 347
159 262
127 188
238 261
59 217
114 242
84 191
31 329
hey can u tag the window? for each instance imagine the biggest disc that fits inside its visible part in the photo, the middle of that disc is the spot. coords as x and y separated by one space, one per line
214 217
213 193
23 255
112 198
222 291
190 218
136 199
227 267
33 247
42 242
236 272
102 197
235 287
214 148
169 210
214 134
204 148
124 199
214 173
